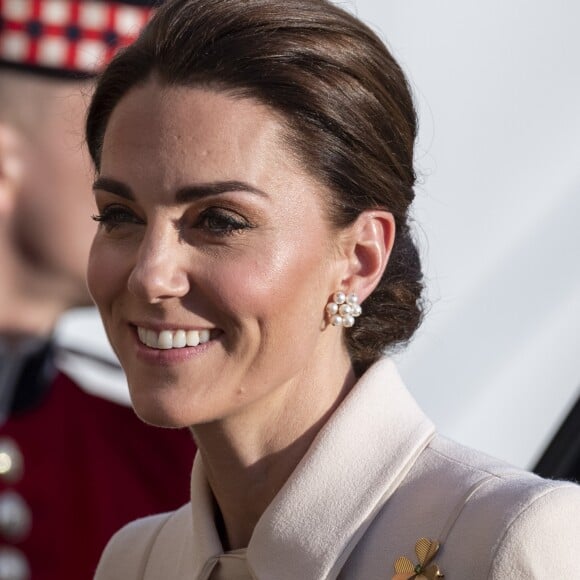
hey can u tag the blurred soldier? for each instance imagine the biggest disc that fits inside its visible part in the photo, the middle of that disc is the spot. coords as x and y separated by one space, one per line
74 467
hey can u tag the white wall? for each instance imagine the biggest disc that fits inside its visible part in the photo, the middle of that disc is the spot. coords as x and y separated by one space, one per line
497 84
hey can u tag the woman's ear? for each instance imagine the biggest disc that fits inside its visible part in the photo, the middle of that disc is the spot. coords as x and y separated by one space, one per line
367 246
11 168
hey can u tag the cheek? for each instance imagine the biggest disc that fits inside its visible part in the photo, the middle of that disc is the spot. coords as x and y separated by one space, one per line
276 304
106 273
56 208
279 289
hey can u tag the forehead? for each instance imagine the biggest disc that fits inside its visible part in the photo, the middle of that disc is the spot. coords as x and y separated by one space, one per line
34 103
212 132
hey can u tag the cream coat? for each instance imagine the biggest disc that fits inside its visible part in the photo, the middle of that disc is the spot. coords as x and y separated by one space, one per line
376 479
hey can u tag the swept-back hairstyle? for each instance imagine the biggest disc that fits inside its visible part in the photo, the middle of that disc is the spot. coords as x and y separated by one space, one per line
349 117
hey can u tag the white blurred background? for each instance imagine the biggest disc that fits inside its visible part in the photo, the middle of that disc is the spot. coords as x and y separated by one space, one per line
497 84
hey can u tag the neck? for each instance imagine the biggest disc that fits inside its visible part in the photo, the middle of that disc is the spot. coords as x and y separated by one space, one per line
30 306
248 458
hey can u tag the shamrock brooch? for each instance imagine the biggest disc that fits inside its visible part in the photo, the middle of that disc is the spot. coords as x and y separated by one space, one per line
426 569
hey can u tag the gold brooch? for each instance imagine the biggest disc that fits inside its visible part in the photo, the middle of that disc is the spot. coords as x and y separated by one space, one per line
426 550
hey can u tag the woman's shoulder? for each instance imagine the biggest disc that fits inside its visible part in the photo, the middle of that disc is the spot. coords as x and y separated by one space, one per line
529 526
542 536
491 484
458 467
492 520
128 551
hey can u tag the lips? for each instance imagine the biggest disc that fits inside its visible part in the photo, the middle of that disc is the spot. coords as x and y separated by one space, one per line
172 339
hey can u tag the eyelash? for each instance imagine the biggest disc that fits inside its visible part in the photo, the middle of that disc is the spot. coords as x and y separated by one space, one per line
114 216
227 223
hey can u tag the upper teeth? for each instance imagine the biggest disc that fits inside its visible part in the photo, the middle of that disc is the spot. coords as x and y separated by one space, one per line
167 339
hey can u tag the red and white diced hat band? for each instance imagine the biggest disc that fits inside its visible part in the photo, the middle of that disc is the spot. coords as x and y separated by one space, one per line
68 37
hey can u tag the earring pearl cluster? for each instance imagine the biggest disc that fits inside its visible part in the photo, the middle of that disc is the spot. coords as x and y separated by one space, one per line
343 309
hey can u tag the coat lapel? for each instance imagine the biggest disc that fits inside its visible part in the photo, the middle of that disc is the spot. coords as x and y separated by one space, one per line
352 468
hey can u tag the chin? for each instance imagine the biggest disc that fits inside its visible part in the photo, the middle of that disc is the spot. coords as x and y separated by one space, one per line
160 409
170 409
159 416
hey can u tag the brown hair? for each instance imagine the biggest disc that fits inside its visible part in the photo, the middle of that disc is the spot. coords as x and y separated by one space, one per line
348 109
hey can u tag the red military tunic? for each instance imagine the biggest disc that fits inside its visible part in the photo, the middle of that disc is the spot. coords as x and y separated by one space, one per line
88 467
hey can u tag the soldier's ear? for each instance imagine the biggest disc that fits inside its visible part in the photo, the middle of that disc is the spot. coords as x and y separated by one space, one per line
11 168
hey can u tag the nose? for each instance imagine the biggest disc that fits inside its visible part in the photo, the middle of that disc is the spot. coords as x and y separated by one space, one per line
157 274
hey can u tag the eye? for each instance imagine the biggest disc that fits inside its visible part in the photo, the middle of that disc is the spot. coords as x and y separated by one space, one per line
112 216
221 222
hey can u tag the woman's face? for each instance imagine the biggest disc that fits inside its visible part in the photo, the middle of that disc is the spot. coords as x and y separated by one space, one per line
213 261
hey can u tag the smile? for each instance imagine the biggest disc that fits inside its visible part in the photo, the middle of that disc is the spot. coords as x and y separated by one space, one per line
169 339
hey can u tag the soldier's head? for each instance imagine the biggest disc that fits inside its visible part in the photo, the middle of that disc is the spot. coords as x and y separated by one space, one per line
49 51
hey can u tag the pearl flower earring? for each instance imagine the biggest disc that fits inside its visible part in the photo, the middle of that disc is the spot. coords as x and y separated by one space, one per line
343 309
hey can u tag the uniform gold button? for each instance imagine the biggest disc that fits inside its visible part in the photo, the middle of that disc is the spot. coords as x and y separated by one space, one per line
11 461
15 517
13 564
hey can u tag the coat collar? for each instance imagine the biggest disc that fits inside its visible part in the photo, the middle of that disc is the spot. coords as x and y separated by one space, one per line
352 468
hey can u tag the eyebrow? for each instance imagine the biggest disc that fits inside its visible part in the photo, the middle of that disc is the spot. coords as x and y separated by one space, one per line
184 194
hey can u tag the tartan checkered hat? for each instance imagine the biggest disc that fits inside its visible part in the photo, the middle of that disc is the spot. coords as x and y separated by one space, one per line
68 38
